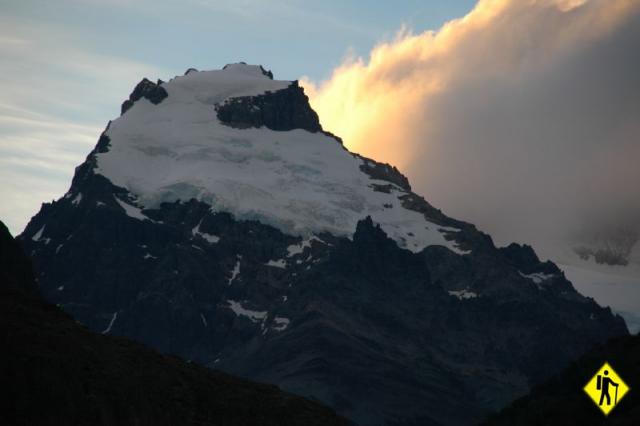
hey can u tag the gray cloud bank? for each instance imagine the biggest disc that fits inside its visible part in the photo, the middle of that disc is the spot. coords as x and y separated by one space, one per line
524 117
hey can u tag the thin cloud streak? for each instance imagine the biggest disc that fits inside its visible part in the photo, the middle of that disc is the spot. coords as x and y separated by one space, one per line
52 112
289 12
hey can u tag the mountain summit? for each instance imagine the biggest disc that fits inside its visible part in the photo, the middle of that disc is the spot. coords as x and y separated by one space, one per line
216 220
297 178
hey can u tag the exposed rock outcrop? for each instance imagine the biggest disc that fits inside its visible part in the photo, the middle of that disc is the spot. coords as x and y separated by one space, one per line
149 90
286 109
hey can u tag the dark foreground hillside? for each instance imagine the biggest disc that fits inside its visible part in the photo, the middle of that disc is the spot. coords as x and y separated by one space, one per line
561 401
56 372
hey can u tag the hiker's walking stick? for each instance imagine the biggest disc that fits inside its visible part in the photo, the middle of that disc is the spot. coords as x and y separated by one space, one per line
616 399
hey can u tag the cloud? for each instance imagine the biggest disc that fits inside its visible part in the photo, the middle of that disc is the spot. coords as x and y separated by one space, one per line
288 13
54 98
521 117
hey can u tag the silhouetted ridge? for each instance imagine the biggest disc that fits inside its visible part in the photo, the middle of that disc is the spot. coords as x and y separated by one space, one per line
560 401
15 266
57 372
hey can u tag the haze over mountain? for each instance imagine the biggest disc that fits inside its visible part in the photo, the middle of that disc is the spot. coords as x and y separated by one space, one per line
215 219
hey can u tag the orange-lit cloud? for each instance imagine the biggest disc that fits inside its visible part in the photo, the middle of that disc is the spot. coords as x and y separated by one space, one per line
508 117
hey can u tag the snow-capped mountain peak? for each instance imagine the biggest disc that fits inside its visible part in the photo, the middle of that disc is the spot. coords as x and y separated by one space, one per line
299 181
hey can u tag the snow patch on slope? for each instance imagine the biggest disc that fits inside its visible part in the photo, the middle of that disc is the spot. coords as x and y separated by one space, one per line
132 211
235 272
38 236
295 249
254 316
77 199
280 263
538 278
210 238
281 323
113 320
463 294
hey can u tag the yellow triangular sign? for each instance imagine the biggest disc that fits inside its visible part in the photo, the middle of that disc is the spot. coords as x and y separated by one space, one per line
606 388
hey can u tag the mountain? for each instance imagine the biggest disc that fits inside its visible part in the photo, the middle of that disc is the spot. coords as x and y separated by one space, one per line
216 220
57 372
560 401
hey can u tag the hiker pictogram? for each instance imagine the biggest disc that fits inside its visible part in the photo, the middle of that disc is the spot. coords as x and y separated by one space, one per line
606 388
602 384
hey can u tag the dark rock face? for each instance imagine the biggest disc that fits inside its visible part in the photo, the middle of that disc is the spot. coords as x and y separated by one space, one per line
381 334
385 172
560 400
285 109
525 259
153 92
59 372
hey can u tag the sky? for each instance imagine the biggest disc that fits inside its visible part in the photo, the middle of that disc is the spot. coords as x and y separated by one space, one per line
518 116
66 66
